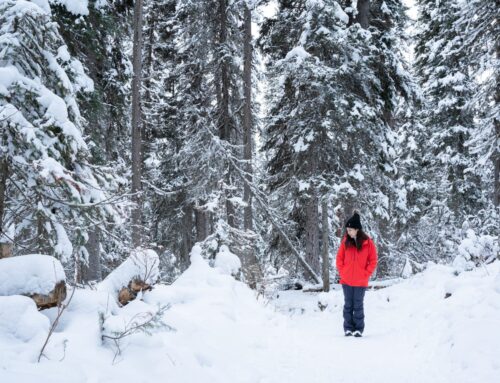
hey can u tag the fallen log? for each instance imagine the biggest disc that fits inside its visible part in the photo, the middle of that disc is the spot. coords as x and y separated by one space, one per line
139 272
40 277
52 299
130 292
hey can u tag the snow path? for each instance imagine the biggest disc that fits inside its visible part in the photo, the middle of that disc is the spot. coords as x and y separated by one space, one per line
224 334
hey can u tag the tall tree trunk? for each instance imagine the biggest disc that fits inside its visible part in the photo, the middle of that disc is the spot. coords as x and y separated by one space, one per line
225 120
93 271
4 174
363 16
247 117
312 217
147 125
5 243
312 230
201 225
136 126
496 155
324 242
187 232
496 162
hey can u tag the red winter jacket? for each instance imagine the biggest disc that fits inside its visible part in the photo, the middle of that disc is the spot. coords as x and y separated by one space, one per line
355 266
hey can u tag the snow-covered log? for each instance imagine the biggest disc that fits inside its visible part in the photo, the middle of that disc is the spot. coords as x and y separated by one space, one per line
139 272
40 277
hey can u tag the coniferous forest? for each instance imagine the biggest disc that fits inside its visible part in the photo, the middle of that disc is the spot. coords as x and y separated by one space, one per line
249 129
260 125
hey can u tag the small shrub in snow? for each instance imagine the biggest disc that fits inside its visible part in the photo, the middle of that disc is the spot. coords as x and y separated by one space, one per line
475 250
114 328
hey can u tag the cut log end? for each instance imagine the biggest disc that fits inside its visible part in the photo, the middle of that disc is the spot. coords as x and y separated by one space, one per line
129 293
52 299
6 250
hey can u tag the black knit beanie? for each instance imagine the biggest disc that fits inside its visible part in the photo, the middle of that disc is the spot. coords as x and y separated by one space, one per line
354 222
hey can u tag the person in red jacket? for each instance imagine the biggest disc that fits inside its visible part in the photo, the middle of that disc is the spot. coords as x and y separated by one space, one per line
356 261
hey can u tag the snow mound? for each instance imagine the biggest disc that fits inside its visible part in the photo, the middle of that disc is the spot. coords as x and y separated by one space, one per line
142 264
30 274
20 320
227 262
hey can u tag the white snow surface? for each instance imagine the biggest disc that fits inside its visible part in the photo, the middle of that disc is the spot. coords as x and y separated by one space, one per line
76 7
226 261
28 274
20 320
224 333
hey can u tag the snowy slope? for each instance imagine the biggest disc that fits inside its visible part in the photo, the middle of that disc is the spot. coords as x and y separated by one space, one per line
224 334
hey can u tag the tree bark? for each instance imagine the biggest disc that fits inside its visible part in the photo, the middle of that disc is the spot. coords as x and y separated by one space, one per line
312 217
147 126
312 230
325 252
496 161
4 174
363 16
93 271
247 117
496 155
187 239
136 126
201 218
225 120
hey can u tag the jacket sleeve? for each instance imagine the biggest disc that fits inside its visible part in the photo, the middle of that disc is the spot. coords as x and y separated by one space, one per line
340 257
372 260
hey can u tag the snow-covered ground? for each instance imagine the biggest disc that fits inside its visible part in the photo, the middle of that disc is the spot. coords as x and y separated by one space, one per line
225 334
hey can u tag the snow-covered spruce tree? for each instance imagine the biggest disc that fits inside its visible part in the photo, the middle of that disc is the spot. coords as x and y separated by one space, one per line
103 31
203 132
334 85
444 72
161 135
181 161
478 24
387 21
53 196
414 243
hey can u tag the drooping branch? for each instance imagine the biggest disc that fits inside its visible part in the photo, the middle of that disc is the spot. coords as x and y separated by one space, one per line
256 194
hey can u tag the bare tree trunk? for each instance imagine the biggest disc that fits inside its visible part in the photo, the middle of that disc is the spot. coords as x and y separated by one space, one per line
187 232
225 120
363 16
312 231
93 271
325 255
147 126
136 126
496 155
247 117
4 174
201 218
496 161
5 245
